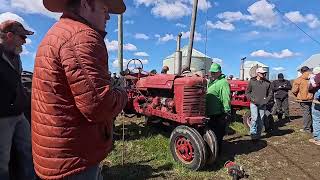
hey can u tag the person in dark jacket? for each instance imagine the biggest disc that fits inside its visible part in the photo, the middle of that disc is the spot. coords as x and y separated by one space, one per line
14 127
259 91
280 88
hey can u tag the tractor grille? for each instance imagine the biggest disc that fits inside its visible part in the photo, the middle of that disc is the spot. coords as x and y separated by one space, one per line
194 101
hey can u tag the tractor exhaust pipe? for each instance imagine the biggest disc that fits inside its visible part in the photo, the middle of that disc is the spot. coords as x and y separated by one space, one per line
242 68
178 56
120 42
192 29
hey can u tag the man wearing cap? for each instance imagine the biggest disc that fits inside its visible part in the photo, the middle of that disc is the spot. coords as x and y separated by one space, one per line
280 88
259 91
300 89
14 127
218 105
164 70
73 101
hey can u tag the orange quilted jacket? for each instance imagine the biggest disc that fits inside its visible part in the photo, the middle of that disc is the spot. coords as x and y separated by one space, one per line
73 104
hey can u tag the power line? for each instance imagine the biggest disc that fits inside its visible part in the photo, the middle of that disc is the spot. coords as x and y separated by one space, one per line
312 38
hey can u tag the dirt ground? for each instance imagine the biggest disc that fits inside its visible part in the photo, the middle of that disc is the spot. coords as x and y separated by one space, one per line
287 154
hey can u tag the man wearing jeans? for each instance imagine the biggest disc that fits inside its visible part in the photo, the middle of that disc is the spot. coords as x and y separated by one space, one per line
315 88
14 127
260 93
300 89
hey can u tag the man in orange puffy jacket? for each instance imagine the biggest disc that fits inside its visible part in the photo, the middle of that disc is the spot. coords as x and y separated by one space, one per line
73 101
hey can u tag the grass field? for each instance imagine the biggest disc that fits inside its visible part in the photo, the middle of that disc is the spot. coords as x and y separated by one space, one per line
146 154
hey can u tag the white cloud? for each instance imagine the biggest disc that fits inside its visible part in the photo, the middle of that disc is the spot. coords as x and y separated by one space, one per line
221 25
279 68
25 51
28 41
165 38
186 35
311 20
11 16
115 62
173 9
141 36
233 16
203 4
113 46
129 22
283 54
181 25
31 7
254 33
129 47
261 13
143 54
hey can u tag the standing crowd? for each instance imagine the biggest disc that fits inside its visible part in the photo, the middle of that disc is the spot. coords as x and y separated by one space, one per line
75 99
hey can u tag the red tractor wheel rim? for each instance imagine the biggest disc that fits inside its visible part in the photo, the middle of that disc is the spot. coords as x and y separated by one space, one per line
184 149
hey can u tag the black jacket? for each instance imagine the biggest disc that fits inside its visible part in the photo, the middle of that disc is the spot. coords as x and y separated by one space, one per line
259 91
12 93
281 88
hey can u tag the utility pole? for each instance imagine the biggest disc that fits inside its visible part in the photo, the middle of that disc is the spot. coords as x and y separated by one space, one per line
120 42
192 30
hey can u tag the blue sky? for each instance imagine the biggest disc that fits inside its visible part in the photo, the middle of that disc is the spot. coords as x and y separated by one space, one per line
235 28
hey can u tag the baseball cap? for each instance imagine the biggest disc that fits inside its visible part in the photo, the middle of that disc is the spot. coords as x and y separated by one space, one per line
215 68
261 70
280 76
14 27
304 69
316 70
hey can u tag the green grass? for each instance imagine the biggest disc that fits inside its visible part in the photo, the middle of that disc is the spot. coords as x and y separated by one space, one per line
146 154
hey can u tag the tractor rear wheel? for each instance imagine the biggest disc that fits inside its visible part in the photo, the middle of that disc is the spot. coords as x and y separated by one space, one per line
187 147
246 118
212 145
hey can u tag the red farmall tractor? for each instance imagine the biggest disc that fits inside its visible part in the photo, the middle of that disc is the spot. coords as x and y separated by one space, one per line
239 100
179 101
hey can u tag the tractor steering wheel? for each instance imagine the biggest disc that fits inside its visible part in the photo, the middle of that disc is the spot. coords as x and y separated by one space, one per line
136 66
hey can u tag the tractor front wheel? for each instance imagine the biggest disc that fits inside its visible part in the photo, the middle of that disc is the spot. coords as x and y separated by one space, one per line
187 147
212 145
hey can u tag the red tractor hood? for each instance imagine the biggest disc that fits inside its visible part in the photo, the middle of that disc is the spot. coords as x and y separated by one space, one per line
159 81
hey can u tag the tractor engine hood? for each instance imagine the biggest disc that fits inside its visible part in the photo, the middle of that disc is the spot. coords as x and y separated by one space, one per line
159 81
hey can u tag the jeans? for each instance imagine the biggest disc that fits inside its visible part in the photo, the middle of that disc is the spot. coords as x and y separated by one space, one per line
307 119
92 173
316 121
317 95
15 132
258 114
